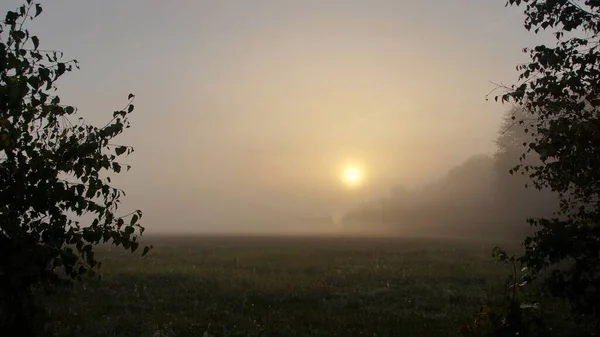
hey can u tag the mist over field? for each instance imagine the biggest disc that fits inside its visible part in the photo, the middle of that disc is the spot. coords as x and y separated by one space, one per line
275 168
248 112
481 197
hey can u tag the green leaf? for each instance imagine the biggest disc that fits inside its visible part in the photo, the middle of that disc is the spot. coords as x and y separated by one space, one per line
38 10
134 220
60 69
11 17
36 42
4 123
119 150
34 82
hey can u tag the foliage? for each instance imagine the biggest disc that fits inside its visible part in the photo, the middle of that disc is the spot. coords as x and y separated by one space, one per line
53 172
512 315
559 90
513 136
514 193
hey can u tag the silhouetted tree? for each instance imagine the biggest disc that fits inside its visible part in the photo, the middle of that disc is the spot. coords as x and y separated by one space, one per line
458 204
51 166
513 139
560 87
515 197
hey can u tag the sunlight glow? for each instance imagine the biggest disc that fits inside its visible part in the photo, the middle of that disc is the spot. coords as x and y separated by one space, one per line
352 176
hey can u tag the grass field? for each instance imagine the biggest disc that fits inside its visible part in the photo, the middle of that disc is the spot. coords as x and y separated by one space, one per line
281 286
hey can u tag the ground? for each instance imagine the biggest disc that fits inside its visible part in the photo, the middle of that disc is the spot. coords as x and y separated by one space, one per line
282 286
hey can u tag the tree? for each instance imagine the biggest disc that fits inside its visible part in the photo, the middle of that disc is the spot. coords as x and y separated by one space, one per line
53 170
513 138
559 87
515 198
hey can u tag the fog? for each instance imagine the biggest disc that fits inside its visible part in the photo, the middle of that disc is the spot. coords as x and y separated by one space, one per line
247 112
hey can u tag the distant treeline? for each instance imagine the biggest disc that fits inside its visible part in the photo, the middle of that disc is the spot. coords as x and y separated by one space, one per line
477 198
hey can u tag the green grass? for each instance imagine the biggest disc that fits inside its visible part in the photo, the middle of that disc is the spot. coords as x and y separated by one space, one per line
281 286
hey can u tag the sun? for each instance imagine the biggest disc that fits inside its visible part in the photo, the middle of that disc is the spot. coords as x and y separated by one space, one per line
352 176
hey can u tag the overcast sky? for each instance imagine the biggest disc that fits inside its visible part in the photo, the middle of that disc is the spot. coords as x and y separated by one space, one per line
247 110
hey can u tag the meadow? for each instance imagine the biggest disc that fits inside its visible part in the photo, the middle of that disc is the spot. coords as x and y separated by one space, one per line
281 286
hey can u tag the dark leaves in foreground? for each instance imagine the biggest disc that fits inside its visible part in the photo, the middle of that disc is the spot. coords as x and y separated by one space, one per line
56 199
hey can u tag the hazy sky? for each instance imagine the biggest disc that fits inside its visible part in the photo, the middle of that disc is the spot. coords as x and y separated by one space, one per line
247 110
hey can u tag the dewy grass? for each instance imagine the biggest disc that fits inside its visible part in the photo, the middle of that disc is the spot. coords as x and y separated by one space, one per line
281 286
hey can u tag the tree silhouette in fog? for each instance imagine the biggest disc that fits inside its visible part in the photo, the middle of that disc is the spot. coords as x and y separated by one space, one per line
477 198
558 91
54 169
515 194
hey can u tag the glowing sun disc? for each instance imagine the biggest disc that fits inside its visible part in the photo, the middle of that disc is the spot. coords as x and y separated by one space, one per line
352 176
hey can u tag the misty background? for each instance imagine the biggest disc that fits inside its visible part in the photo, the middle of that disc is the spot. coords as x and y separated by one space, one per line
247 111
477 198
